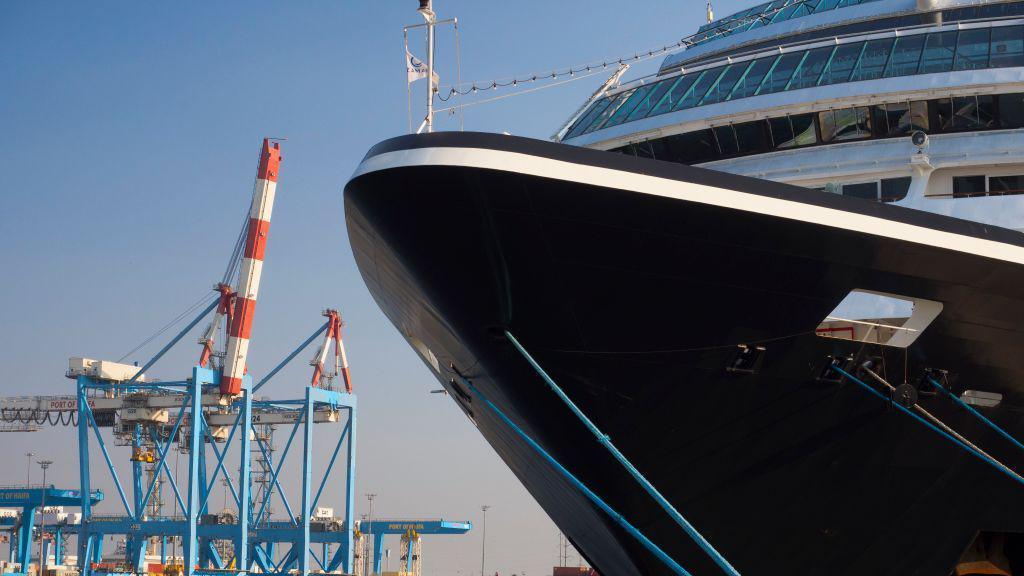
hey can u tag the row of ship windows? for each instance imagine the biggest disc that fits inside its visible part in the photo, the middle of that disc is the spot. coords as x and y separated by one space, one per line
868 60
956 114
894 189
769 13
986 11
884 190
972 186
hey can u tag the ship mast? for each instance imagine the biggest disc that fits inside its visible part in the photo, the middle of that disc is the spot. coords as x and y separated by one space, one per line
426 9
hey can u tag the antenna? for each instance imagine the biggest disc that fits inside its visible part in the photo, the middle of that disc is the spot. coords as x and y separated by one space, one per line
711 13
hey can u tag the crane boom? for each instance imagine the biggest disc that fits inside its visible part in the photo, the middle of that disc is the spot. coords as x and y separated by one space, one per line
252 266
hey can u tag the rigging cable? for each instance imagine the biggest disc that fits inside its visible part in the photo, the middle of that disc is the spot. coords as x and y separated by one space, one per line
206 299
966 446
977 414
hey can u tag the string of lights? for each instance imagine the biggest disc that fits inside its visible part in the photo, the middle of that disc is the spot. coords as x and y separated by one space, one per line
468 88
724 28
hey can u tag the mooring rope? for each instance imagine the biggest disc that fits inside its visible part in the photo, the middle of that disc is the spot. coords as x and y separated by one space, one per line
590 495
605 441
938 430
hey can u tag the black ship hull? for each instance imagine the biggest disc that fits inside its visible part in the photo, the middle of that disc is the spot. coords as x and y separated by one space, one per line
633 282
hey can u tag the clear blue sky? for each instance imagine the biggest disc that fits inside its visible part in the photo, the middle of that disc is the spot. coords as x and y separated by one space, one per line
130 133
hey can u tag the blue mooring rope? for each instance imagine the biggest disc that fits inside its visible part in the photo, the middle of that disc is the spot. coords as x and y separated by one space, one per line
607 443
971 409
621 520
987 459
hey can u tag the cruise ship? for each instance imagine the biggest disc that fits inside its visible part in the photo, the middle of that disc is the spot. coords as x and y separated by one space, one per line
759 312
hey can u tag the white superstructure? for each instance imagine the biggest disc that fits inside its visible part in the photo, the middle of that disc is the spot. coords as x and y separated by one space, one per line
826 94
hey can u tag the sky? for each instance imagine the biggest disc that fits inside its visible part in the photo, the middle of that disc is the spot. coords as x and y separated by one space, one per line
130 132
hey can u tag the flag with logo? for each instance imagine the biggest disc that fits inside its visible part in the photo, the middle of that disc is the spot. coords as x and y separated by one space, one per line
415 68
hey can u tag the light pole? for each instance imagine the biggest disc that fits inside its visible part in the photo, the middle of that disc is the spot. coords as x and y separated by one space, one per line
367 568
44 464
28 468
483 542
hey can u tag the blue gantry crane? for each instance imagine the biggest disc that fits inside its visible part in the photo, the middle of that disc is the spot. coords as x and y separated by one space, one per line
410 532
29 499
213 418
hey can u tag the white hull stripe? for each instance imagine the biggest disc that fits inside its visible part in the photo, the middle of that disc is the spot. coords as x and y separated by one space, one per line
656 186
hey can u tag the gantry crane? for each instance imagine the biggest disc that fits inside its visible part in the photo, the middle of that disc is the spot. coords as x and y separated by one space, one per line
207 416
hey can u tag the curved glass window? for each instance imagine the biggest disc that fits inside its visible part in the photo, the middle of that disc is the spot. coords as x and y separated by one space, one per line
725 83
700 87
810 69
765 14
649 100
752 78
1007 46
613 106
939 50
897 119
588 118
1001 46
680 86
778 77
873 60
841 65
627 106
906 56
972 49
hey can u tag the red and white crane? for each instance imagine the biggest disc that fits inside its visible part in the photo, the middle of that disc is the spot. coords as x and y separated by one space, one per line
240 326
332 340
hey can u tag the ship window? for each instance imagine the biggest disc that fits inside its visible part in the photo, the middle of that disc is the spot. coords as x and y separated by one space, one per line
971 113
1007 46
650 99
725 83
879 318
778 77
700 87
972 49
844 124
747 86
1000 185
620 115
675 94
967 186
1011 110
781 132
900 119
810 69
865 190
726 138
607 112
905 56
588 117
894 189
751 137
941 111
872 61
804 132
842 63
826 5
690 148
938 52
785 13
792 131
